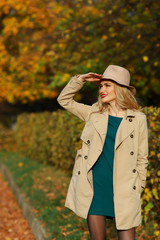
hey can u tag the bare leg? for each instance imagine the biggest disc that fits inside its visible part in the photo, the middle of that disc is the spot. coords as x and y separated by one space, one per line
97 227
128 234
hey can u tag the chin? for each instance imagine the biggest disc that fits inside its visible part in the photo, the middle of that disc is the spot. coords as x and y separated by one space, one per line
104 101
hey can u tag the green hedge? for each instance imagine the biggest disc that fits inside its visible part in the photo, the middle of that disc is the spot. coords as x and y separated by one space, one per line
7 139
49 137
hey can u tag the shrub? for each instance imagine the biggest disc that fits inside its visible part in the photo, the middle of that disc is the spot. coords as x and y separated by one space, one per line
7 139
49 137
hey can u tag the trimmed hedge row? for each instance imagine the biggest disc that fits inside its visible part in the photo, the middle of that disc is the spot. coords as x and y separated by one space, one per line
7 139
49 137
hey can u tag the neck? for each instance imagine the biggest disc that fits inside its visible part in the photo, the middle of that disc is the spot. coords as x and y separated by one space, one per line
115 111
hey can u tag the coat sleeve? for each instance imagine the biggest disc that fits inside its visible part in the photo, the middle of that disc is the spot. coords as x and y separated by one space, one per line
65 99
142 160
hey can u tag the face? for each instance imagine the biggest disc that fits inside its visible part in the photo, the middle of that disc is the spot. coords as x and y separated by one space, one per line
106 91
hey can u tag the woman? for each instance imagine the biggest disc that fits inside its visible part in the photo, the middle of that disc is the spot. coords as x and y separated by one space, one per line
110 169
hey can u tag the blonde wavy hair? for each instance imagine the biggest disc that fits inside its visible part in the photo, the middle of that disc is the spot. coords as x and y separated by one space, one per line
125 99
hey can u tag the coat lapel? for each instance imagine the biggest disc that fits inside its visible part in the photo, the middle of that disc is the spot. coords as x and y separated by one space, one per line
126 127
100 122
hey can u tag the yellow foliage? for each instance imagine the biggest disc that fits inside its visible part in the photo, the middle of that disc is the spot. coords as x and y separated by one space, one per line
65 77
152 124
11 26
111 29
104 37
88 65
148 174
145 58
157 233
113 34
26 93
10 98
61 45
140 25
155 64
24 50
155 193
20 164
138 36
152 153
26 23
45 28
53 94
90 1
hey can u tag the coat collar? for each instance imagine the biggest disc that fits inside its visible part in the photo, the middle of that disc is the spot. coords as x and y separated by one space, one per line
100 122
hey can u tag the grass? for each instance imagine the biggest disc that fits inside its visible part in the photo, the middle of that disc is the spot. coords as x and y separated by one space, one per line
45 188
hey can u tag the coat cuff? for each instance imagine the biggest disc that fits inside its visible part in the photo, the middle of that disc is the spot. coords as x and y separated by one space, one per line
77 81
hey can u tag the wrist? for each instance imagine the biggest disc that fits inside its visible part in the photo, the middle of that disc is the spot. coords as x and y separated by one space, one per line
79 76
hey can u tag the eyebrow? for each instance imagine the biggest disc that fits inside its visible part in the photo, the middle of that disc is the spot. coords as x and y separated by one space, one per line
106 83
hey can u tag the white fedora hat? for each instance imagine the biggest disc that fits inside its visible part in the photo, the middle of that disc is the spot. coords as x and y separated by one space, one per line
119 75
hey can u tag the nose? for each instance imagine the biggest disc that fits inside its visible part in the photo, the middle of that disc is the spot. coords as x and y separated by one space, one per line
102 90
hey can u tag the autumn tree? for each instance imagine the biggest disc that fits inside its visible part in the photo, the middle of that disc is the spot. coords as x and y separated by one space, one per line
44 43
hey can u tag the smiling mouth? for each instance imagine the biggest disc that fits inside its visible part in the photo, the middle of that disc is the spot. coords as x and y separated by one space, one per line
103 95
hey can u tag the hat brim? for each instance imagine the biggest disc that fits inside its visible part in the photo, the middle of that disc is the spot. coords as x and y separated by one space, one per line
131 88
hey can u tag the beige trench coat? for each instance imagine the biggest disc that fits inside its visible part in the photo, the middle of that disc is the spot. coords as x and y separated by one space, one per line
130 158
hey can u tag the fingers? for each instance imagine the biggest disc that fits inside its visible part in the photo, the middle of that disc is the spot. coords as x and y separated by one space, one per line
95 74
91 77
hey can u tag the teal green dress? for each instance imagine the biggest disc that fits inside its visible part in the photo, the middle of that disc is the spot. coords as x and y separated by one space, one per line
102 202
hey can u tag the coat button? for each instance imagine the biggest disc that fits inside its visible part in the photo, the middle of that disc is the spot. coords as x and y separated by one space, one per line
134 187
134 170
88 141
131 153
85 156
130 119
131 135
79 172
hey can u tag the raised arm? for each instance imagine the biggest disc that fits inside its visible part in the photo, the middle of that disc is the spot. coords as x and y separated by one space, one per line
65 99
142 161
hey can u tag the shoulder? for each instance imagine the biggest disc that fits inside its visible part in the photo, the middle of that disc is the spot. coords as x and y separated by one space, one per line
95 107
140 114
141 118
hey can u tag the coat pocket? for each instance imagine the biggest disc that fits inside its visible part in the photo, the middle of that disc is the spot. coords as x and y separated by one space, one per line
136 188
77 163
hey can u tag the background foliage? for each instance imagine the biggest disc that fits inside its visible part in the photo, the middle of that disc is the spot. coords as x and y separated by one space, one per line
7 139
41 137
44 43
